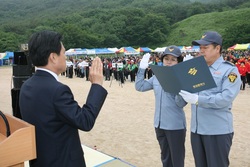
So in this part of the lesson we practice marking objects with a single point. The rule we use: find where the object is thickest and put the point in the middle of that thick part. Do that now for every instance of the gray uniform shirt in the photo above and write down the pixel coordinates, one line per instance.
(213, 114)
(169, 114)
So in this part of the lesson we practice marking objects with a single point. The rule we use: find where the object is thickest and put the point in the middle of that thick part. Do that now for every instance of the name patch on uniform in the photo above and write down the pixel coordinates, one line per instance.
(232, 77)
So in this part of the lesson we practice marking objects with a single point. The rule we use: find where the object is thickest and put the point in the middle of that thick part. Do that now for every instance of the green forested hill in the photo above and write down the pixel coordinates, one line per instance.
(30, 9)
(229, 24)
(117, 23)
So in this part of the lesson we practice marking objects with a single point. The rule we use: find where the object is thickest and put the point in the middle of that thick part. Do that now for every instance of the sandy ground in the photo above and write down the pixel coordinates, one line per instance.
(124, 128)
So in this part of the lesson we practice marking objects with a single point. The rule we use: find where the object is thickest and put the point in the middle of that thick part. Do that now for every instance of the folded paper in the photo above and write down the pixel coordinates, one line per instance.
(192, 75)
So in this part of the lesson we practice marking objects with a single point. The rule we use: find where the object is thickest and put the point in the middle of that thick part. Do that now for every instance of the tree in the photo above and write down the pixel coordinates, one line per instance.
(238, 33)
(8, 42)
(75, 37)
(151, 30)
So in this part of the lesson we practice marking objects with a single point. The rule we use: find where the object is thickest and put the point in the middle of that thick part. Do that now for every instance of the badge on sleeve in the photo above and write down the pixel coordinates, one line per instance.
(232, 77)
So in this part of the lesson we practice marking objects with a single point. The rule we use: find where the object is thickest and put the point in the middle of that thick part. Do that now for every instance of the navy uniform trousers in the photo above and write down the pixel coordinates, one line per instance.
(172, 144)
(211, 150)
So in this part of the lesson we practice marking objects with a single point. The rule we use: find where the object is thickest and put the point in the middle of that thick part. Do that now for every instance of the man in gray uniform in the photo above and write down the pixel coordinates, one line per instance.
(212, 120)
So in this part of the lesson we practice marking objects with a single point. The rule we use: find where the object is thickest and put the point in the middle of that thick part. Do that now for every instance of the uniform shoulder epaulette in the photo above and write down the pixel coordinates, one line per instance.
(228, 62)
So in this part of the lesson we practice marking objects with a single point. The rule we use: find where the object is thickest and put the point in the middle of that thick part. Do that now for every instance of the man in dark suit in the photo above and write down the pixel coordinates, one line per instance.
(50, 106)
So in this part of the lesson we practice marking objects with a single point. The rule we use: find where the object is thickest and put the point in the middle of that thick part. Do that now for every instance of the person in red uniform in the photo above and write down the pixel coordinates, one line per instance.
(243, 71)
(247, 64)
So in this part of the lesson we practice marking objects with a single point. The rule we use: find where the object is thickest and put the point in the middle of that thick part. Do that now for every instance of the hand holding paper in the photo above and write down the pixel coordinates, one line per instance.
(189, 97)
(144, 61)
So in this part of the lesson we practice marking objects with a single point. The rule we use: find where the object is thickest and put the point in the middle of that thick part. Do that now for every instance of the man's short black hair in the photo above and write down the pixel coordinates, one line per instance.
(42, 44)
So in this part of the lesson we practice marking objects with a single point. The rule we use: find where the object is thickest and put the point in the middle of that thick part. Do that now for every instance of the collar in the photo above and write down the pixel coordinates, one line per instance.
(217, 63)
(52, 73)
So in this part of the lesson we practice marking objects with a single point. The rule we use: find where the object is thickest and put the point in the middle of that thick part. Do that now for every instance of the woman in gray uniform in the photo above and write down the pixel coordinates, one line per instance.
(169, 118)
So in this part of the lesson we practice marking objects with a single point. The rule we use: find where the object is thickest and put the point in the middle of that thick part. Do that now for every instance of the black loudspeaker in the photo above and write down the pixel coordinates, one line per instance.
(22, 70)
(15, 92)
(19, 80)
(20, 58)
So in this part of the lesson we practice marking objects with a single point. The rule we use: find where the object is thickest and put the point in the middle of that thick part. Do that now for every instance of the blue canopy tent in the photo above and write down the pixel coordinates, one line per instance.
(94, 51)
(103, 51)
(99, 51)
(192, 48)
(144, 49)
(196, 48)
(90, 52)
(9, 55)
(127, 51)
(76, 51)
(7, 58)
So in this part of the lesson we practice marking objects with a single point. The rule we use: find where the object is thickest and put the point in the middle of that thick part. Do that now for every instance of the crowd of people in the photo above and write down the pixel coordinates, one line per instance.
(242, 61)
(124, 68)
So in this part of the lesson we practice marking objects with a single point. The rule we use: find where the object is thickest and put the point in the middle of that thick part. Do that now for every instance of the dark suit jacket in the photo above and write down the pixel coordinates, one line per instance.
(50, 106)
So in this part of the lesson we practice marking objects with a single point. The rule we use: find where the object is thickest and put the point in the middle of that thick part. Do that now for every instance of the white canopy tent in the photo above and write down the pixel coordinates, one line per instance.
(76, 51)
(160, 49)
